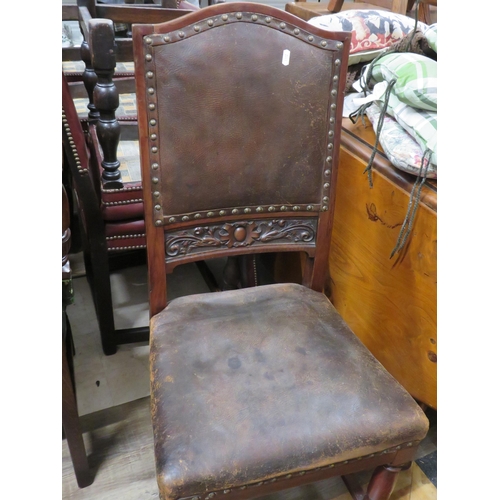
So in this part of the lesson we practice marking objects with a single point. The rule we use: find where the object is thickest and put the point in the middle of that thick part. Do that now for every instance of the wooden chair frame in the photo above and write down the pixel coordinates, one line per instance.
(173, 230)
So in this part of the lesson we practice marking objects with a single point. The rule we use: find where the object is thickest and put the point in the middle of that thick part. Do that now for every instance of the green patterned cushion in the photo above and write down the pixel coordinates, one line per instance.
(415, 75)
(419, 123)
(431, 36)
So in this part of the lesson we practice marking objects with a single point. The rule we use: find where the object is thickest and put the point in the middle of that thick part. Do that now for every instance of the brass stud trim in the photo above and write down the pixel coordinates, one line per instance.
(166, 39)
(157, 208)
(323, 43)
(152, 122)
(225, 17)
(254, 17)
(197, 216)
(197, 28)
(151, 91)
(210, 214)
(327, 173)
(152, 106)
(210, 22)
(268, 19)
(181, 34)
(153, 137)
(271, 209)
(330, 146)
(260, 209)
(155, 166)
(222, 212)
(154, 149)
(238, 15)
(149, 57)
(282, 26)
(154, 180)
(158, 223)
(247, 210)
(235, 211)
(340, 45)
(337, 62)
(149, 74)
(309, 207)
(335, 78)
(148, 40)
(185, 218)
(296, 31)
(310, 38)
(156, 194)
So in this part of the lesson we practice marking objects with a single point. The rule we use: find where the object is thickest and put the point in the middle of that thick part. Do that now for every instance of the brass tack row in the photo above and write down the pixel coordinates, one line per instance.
(211, 495)
(123, 202)
(197, 28)
(81, 170)
(124, 237)
(133, 247)
(234, 211)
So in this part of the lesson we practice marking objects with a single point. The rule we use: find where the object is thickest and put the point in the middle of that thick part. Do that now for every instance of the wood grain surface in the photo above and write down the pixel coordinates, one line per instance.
(391, 304)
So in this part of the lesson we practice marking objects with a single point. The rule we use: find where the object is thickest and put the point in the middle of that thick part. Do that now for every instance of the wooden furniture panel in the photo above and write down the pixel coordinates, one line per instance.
(389, 303)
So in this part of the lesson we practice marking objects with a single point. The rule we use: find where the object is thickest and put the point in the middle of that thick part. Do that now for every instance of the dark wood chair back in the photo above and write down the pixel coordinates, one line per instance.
(239, 144)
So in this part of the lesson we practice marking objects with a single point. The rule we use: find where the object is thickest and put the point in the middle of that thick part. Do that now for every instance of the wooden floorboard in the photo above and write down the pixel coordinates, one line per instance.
(119, 443)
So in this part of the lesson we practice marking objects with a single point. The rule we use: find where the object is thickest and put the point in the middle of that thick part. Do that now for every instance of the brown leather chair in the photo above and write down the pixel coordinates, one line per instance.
(263, 388)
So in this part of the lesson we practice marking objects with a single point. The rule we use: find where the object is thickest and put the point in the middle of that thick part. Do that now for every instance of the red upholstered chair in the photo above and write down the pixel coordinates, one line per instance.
(109, 199)
(263, 388)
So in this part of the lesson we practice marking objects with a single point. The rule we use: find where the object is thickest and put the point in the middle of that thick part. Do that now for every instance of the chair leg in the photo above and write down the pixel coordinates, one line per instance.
(71, 425)
(382, 482)
(98, 275)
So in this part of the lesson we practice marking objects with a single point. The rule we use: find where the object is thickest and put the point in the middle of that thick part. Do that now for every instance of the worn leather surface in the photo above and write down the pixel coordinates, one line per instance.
(254, 383)
(272, 120)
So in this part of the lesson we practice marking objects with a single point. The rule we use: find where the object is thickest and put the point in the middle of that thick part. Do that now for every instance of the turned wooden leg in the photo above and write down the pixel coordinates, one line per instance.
(383, 481)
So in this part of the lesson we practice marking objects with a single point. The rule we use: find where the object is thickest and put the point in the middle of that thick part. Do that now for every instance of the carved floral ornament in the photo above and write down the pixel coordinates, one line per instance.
(239, 234)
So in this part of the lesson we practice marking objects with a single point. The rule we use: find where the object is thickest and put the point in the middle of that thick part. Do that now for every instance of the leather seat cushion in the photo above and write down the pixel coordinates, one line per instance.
(254, 383)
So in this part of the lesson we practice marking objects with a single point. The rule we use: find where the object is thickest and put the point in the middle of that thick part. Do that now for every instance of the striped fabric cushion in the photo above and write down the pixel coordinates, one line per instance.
(415, 75)
(419, 123)
(431, 36)
(399, 146)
